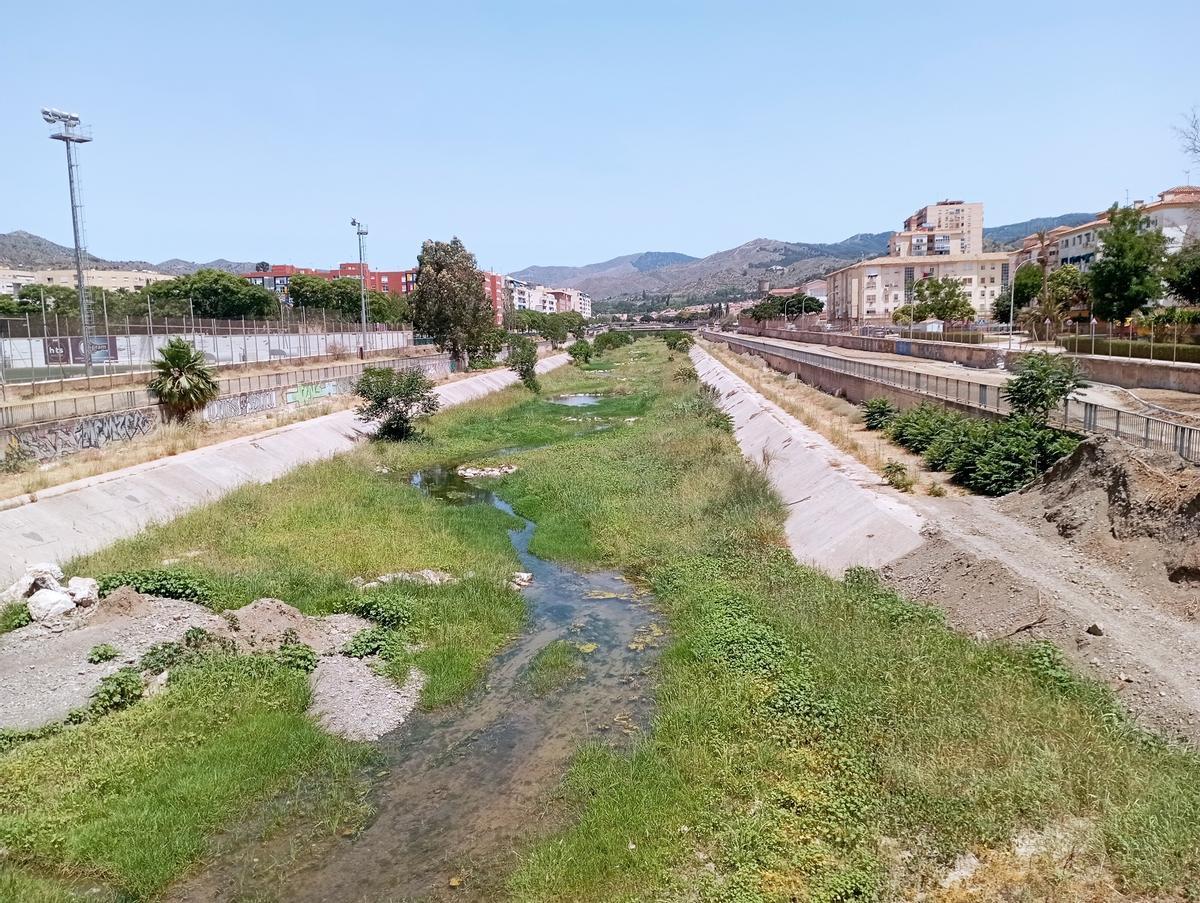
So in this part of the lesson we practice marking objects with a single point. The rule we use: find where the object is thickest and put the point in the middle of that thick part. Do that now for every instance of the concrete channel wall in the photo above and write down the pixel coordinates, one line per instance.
(1131, 373)
(88, 514)
(49, 430)
(979, 356)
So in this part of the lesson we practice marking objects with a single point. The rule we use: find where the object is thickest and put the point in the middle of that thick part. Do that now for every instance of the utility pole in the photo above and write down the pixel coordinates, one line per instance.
(360, 230)
(70, 133)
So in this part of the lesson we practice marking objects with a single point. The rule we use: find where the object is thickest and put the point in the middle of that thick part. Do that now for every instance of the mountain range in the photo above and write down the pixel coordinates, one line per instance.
(26, 250)
(740, 268)
(652, 272)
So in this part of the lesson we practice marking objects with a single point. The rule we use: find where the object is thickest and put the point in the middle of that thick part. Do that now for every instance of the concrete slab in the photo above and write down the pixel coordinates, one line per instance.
(840, 513)
(89, 514)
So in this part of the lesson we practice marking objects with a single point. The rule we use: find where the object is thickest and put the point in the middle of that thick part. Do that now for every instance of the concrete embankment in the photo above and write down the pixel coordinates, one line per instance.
(840, 513)
(89, 514)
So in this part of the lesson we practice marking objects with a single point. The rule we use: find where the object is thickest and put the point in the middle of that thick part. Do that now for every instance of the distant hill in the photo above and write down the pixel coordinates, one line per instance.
(740, 268)
(26, 250)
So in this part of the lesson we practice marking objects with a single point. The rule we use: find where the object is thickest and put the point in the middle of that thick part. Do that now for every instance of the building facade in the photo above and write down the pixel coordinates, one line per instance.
(872, 290)
(946, 229)
(109, 280)
(12, 280)
(545, 300)
(277, 276)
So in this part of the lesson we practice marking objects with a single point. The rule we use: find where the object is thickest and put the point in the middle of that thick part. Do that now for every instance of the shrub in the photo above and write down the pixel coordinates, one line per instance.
(611, 339)
(1163, 351)
(581, 351)
(116, 691)
(161, 656)
(917, 427)
(677, 340)
(1043, 381)
(686, 374)
(105, 652)
(522, 360)
(169, 583)
(366, 642)
(13, 616)
(299, 656)
(396, 398)
(184, 382)
(17, 458)
(704, 406)
(897, 475)
(878, 413)
(385, 609)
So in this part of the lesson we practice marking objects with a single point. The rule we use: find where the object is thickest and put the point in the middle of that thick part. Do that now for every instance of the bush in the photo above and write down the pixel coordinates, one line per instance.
(917, 427)
(384, 608)
(17, 458)
(169, 583)
(162, 656)
(704, 406)
(299, 656)
(581, 351)
(396, 398)
(677, 340)
(609, 340)
(116, 691)
(898, 476)
(686, 374)
(366, 642)
(1043, 381)
(105, 652)
(1163, 351)
(13, 616)
(878, 413)
(522, 360)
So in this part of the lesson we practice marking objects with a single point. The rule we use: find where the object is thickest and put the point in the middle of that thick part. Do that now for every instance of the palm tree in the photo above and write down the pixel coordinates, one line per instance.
(184, 381)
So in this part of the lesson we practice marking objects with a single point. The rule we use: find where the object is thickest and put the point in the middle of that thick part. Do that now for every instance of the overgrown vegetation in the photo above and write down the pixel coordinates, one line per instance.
(104, 652)
(398, 399)
(555, 665)
(580, 351)
(611, 339)
(522, 360)
(169, 583)
(14, 615)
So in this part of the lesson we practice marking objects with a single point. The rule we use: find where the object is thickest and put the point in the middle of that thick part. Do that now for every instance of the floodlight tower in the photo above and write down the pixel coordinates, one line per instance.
(361, 231)
(65, 127)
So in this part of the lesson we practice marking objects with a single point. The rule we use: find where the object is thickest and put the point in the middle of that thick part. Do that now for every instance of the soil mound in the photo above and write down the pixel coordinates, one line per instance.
(267, 623)
(1132, 506)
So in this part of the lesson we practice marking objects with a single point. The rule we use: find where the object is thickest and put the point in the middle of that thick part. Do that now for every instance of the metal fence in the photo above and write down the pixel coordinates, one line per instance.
(26, 414)
(1082, 416)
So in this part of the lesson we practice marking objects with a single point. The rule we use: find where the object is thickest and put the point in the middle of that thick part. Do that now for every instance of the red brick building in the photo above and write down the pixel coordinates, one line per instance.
(394, 282)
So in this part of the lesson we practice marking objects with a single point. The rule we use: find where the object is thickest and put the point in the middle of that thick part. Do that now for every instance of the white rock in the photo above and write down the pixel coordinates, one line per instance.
(84, 591)
(49, 603)
(37, 576)
(156, 684)
(520, 580)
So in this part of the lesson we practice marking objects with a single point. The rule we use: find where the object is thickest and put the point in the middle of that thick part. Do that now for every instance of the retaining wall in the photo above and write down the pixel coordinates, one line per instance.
(1140, 374)
(947, 352)
(57, 437)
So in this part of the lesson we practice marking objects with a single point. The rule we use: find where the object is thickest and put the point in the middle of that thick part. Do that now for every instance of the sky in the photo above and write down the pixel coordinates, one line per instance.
(565, 133)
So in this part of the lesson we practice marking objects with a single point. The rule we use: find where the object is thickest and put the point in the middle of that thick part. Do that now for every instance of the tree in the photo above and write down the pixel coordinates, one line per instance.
(1128, 273)
(581, 351)
(942, 297)
(1033, 319)
(449, 303)
(396, 398)
(262, 267)
(211, 293)
(801, 303)
(184, 382)
(1183, 273)
(522, 360)
(1042, 382)
(1025, 286)
(1068, 287)
(310, 291)
(554, 328)
(57, 297)
(1189, 134)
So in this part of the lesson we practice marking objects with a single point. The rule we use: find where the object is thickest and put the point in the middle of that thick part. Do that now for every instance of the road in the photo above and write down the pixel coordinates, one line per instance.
(1097, 393)
(89, 514)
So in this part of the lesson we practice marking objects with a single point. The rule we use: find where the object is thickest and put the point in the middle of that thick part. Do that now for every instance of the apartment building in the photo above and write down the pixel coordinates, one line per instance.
(548, 300)
(12, 280)
(276, 277)
(109, 280)
(946, 229)
(496, 291)
(943, 240)
(872, 290)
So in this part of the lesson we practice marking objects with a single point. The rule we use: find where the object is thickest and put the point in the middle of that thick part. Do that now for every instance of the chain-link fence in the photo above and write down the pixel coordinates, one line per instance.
(1081, 416)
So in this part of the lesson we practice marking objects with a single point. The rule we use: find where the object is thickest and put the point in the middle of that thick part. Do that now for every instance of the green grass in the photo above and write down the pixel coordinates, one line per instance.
(806, 724)
(555, 665)
(131, 799)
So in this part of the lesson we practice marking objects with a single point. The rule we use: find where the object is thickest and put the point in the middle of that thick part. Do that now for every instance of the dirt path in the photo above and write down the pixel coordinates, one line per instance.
(998, 574)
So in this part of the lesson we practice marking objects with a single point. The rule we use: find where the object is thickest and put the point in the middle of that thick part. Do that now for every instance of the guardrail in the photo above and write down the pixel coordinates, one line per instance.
(1082, 416)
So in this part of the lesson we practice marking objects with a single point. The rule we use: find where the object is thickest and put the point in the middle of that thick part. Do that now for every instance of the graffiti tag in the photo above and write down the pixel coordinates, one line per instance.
(50, 442)
(240, 405)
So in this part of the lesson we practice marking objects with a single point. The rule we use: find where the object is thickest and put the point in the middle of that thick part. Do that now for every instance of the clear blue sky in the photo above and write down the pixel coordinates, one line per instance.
(559, 133)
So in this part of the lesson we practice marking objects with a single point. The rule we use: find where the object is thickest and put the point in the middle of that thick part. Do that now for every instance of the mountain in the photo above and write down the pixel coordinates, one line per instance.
(740, 268)
(26, 250)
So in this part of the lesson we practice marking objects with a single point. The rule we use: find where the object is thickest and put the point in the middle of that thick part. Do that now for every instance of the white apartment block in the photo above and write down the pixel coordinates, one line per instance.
(11, 281)
(871, 291)
(548, 300)
(109, 280)
(945, 229)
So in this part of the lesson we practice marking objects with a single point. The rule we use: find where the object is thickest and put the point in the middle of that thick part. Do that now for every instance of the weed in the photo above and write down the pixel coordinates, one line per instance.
(105, 652)
(366, 642)
(686, 374)
(897, 475)
(299, 656)
(169, 583)
(116, 691)
(555, 665)
(878, 413)
(13, 616)
(937, 490)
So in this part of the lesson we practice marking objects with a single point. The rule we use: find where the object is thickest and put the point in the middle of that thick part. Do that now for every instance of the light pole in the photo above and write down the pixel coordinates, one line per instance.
(912, 306)
(1012, 298)
(360, 229)
(70, 133)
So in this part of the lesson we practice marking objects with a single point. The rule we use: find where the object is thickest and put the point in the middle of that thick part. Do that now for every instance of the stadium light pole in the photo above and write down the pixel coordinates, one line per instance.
(360, 229)
(70, 133)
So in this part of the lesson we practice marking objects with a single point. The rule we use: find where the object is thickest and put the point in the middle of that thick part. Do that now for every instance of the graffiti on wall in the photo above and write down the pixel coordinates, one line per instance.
(240, 405)
(52, 441)
(310, 392)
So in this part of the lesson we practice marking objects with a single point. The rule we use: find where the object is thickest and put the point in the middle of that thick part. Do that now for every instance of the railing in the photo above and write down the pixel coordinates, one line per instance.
(1083, 416)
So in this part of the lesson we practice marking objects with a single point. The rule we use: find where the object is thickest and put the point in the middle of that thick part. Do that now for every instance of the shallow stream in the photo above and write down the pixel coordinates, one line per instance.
(466, 787)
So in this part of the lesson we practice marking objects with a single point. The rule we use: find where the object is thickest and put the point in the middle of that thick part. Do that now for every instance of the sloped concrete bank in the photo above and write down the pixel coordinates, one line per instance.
(89, 514)
(840, 513)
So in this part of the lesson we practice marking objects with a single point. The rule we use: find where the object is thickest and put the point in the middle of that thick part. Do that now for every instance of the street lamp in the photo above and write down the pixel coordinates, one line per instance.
(1012, 298)
(67, 129)
(360, 229)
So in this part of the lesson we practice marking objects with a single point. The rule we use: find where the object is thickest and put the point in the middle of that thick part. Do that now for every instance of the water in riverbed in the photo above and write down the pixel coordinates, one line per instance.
(467, 786)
